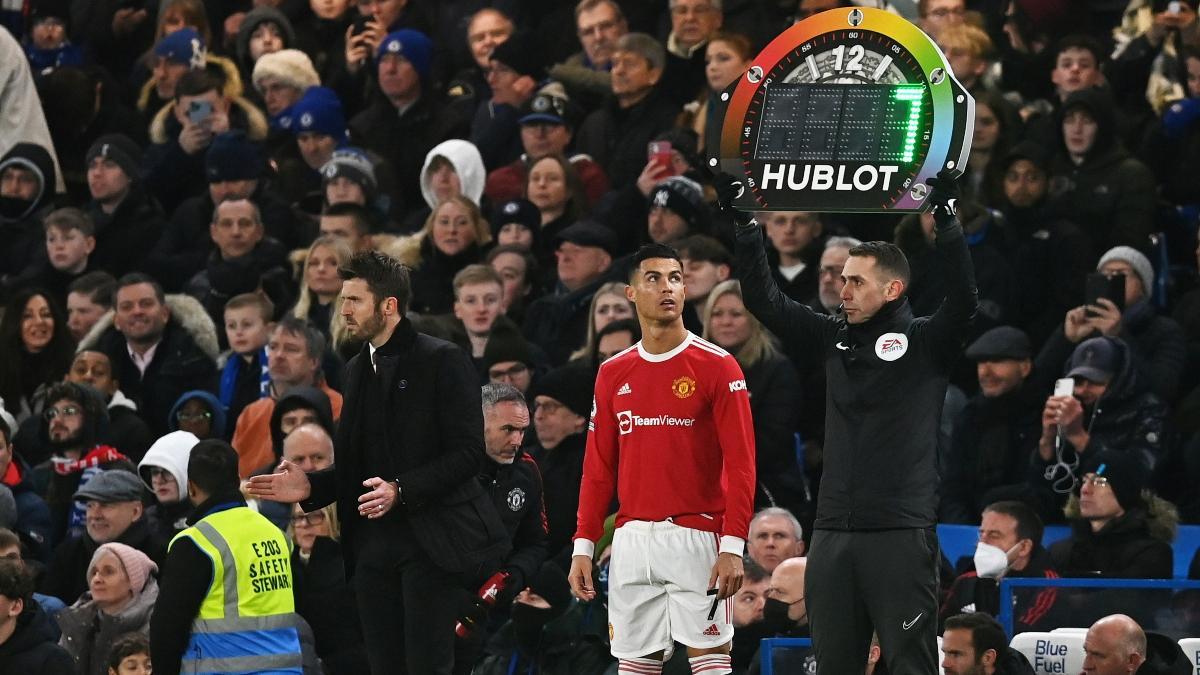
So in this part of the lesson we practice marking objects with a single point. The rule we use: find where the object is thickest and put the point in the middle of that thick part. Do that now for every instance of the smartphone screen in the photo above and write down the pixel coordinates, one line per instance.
(1064, 386)
(659, 152)
(198, 111)
(1100, 286)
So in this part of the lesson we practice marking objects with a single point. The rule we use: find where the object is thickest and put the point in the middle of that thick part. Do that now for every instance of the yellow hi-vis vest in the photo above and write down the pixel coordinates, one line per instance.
(247, 622)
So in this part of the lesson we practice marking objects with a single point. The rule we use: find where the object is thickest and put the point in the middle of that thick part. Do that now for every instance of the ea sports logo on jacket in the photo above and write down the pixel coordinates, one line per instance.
(891, 346)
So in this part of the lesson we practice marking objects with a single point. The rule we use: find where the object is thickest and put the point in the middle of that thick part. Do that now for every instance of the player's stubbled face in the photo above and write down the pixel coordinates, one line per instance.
(657, 289)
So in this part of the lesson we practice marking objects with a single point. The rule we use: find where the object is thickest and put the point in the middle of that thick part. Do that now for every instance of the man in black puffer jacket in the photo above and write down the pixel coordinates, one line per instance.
(887, 372)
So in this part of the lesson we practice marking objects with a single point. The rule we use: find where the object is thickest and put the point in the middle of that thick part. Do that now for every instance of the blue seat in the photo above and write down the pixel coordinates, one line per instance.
(957, 541)
(1053, 533)
(1187, 540)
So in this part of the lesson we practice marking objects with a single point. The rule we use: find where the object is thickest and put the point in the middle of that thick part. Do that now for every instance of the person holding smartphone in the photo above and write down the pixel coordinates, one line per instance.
(1123, 308)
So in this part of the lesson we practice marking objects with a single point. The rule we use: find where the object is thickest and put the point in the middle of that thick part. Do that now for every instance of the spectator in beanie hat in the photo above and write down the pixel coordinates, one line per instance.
(411, 45)
(319, 125)
(281, 78)
(514, 73)
(123, 212)
(232, 157)
(349, 176)
(676, 210)
(175, 54)
(518, 222)
(1120, 528)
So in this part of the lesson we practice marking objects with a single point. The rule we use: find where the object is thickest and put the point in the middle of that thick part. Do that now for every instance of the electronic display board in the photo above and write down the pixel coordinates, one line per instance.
(848, 110)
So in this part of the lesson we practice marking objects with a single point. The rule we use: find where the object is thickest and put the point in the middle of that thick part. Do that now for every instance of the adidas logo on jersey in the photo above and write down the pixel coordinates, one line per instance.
(712, 631)
(624, 390)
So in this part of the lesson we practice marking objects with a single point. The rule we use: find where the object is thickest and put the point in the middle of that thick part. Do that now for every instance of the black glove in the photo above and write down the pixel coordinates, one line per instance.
(728, 189)
(944, 196)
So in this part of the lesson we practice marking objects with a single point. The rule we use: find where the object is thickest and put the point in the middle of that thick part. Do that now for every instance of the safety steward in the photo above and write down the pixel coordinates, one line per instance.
(226, 602)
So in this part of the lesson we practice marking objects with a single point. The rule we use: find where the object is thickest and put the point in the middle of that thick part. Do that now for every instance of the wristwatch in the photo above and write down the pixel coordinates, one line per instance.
(396, 482)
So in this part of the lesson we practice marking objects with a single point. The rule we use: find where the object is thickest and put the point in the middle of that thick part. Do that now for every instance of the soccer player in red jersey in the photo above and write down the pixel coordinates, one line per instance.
(671, 434)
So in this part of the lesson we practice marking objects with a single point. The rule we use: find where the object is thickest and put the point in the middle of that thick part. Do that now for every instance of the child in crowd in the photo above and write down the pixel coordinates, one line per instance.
(70, 240)
(130, 655)
(244, 377)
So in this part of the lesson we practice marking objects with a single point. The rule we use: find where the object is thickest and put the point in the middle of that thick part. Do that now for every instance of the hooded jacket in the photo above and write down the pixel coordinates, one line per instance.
(1136, 545)
(219, 418)
(21, 221)
(88, 633)
(31, 649)
(468, 164)
(1110, 193)
(170, 452)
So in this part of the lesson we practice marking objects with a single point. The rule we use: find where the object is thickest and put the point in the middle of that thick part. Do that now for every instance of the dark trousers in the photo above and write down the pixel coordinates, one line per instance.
(884, 581)
(407, 604)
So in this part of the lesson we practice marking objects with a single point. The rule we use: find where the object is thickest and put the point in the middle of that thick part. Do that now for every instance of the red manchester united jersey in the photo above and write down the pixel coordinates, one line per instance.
(672, 434)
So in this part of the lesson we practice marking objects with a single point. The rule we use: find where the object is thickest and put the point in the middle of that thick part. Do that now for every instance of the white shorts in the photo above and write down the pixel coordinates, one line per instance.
(657, 583)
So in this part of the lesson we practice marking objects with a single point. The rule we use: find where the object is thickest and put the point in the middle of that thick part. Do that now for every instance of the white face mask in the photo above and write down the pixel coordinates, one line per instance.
(991, 562)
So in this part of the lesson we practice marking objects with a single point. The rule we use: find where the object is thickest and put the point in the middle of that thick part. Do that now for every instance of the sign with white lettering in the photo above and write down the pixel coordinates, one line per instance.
(852, 109)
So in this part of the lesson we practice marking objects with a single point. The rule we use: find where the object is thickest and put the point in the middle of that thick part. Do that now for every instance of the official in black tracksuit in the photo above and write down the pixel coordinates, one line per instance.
(874, 553)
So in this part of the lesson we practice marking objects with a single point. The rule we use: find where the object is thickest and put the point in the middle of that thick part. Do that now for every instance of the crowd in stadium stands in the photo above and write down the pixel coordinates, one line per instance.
(181, 180)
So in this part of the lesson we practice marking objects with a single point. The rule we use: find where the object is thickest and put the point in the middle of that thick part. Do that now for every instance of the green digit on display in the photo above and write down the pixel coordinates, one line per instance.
(913, 95)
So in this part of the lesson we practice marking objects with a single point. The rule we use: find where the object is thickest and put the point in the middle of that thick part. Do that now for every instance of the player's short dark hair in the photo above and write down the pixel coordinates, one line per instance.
(385, 276)
(99, 286)
(888, 257)
(360, 216)
(753, 572)
(135, 278)
(986, 632)
(1080, 41)
(1029, 525)
(652, 251)
(703, 248)
(15, 580)
(129, 644)
(213, 467)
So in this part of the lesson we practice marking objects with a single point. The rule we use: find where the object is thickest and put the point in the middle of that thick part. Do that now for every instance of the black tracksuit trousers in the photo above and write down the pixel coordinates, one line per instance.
(881, 580)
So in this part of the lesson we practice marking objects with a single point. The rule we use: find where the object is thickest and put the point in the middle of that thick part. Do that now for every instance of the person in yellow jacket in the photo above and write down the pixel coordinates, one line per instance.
(226, 603)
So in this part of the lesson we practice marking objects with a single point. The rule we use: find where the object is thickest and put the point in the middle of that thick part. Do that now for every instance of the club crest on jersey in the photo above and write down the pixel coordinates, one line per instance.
(683, 387)
(891, 346)
(516, 499)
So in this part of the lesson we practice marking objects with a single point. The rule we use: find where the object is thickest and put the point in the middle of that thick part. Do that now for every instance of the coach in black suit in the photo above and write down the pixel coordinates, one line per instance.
(415, 522)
